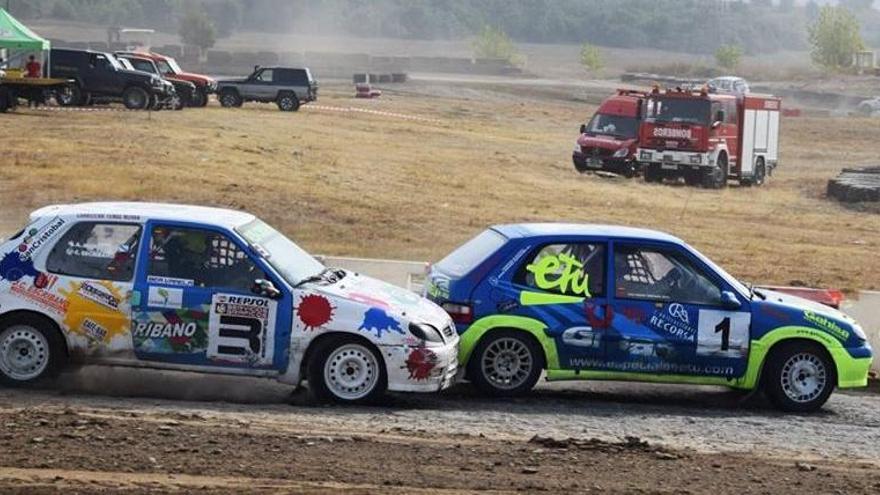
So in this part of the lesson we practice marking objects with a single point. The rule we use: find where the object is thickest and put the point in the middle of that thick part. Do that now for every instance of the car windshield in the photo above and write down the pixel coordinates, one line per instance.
(112, 61)
(290, 260)
(613, 125)
(125, 64)
(678, 110)
(168, 66)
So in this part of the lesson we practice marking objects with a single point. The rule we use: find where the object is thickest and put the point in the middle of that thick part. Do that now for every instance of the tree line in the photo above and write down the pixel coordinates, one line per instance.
(695, 26)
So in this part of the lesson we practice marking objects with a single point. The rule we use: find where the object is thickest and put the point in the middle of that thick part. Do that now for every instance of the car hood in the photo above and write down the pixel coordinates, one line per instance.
(800, 303)
(604, 142)
(358, 295)
(804, 312)
(193, 78)
(137, 73)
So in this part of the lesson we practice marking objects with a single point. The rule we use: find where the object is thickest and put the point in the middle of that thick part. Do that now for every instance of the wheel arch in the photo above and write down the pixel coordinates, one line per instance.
(317, 341)
(535, 329)
(50, 323)
(763, 348)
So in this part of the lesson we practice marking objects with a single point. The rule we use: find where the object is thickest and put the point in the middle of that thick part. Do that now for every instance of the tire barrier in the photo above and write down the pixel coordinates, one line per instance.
(856, 185)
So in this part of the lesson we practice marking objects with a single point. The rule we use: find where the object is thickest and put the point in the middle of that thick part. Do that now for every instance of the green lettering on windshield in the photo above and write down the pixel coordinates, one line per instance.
(562, 273)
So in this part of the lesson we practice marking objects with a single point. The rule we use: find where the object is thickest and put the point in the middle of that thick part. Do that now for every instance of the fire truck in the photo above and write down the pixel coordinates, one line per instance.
(709, 138)
(610, 139)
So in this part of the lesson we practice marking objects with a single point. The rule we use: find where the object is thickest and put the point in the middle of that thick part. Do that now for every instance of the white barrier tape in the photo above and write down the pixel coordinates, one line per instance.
(85, 109)
(372, 112)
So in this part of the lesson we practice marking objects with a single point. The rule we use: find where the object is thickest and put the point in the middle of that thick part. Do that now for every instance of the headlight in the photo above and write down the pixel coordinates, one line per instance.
(621, 153)
(423, 331)
(156, 82)
(577, 148)
(696, 159)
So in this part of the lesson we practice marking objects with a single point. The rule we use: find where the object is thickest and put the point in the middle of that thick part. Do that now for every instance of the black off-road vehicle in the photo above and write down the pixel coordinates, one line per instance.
(288, 87)
(99, 76)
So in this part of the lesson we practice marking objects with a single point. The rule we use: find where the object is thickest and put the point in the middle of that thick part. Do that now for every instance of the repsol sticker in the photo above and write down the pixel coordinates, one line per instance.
(241, 329)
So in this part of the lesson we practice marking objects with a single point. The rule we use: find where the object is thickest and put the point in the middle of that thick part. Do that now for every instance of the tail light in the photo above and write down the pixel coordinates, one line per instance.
(460, 313)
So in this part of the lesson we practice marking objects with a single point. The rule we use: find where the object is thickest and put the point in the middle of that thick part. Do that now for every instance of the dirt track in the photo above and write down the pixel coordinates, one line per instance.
(622, 438)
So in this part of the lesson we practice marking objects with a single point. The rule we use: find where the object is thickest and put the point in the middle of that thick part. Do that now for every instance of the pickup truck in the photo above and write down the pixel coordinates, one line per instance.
(287, 87)
(100, 76)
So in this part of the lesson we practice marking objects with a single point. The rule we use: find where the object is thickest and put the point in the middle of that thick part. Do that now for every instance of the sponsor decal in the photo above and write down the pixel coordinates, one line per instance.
(108, 216)
(172, 332)
(674, 323)
(241, 329)
(827, 324)
(99, 295)
(93, 330)
(40, 297)
(314, 311)
(507, 305)
(377, 320)
(581, 337)
(668, 132)
(165, 297)
(723, 333)
(651, 367)
(420, 362)
(101, 302)
(37, 237)
(513, 261)
(561, 273)
(180, 282)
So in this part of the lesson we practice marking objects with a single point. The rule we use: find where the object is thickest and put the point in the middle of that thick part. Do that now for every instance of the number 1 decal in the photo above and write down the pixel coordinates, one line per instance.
(723, 333)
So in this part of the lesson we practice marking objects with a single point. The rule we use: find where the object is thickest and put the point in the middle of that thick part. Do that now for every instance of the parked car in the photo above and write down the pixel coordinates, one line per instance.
(99, 76)
(868, 107)
(184, 91)
(618, 303)
(207, 290)
(729, 85)
(609, 140)
(170, 70)
(288, 87)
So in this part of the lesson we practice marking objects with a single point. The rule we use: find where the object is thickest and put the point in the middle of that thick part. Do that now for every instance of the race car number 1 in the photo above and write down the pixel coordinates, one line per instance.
(723, 333)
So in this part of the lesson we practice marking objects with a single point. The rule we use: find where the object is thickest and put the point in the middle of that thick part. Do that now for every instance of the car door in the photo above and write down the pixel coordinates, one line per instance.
(89, 279)
(562, 284)
(197, 304)
(104, 79)
(675, 316)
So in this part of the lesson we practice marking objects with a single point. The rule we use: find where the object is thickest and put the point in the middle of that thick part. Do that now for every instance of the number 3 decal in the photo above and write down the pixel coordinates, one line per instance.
(723, 333)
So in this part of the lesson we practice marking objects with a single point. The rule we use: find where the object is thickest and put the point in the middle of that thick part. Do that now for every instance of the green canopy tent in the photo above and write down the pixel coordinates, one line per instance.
(16, 36)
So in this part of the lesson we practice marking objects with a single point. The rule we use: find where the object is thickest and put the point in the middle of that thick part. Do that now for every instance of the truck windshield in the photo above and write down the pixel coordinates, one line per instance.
(688, 111)
(168, 66)
(290, 260)
(613, 125)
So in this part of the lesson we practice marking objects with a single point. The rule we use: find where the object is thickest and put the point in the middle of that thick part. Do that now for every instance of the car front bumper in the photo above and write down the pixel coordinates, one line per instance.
(584, 163)
(852, 365)
(421, 369)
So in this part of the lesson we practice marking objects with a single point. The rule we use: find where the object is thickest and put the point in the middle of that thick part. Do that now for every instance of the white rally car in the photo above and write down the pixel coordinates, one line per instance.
(203, 289)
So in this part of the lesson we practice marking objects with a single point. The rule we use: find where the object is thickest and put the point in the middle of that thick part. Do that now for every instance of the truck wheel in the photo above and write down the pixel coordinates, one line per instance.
(230, 98)
(30, 351)
(506, 363)
(4, 100)
(70, 96)
(653, 173)
(135, 98)
(716, 177)
(199, 98)
(288, 102)
(346, 370)
(799, 377)
(176, 102)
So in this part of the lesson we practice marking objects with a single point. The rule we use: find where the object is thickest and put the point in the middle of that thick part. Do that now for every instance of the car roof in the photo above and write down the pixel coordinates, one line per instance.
(139, 212)
(522, 230)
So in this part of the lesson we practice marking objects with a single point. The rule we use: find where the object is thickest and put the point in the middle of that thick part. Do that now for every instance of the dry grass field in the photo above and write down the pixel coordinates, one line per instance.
(379, 186)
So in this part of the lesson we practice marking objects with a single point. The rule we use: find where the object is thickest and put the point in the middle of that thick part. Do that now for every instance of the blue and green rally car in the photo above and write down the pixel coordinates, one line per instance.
(619, 303)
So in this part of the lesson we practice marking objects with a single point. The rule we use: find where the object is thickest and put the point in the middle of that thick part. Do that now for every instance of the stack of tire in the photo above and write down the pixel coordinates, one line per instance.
(856, 185)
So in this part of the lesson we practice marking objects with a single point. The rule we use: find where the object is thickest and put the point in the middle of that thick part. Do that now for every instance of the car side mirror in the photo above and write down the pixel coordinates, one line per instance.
(583, 128)
(730, 301)
(265, 288)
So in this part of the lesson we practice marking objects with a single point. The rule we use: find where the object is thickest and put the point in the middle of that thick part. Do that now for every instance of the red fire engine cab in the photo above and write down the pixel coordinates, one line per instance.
(709, 138)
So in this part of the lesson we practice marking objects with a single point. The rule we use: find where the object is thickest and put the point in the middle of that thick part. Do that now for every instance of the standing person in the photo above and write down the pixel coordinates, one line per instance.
(33, 68)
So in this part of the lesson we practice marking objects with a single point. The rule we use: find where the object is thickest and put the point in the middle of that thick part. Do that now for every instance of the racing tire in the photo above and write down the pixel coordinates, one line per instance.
(346, 370)
(799, 377)
(653, 173)
(716, 177)
(230, 99)
(288, 102)
(628, 169)
(31, 350)
(506, 363)
(135, 98)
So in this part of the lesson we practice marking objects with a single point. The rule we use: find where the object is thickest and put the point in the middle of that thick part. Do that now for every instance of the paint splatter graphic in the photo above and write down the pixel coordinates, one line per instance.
(366, 299)
(597, 322)
(377, 320)
(13, 267)
(314, 311)
(420, 363)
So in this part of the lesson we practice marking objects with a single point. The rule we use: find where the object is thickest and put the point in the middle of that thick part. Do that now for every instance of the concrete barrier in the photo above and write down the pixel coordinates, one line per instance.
(866, 310)
(407, 274)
